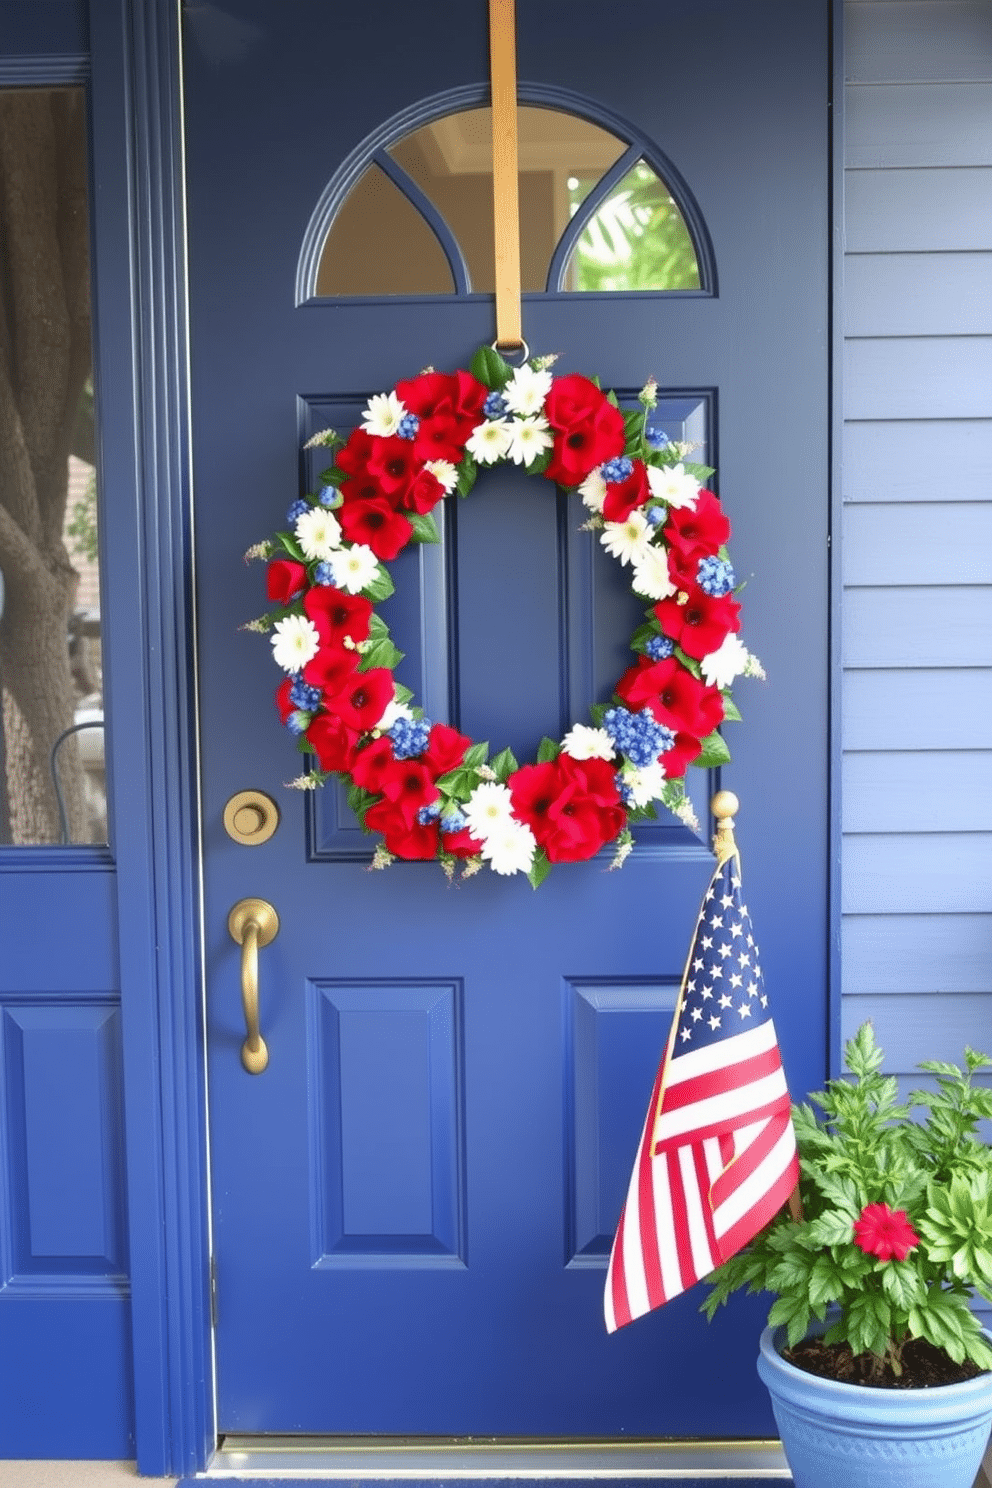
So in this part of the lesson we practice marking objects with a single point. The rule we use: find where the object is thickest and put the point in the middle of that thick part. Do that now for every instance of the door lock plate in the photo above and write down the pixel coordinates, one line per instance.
(251, 817)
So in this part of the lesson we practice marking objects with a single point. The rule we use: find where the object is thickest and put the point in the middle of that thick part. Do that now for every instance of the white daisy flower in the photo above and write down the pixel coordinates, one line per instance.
(526, 390)
(721, 667)
(582, 742)
(629, 541)
(510, 847)
(444, 473)
(392, 713)
(318, 533)
(593, 491)
(646, 783)
(383, 415)
(294, 642)
(673, 484)
(529, 437)
(651, 573)
(354, 567)
(487, 808)
(490, 441)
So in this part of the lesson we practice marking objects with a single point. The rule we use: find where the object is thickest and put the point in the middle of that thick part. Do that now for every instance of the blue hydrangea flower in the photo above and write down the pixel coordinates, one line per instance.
(626, 791)
(296, 511)
(656, 515)
(617, 469)
(637, 735)
(408, 426)
(494, 406)
(302, 695)
(715, 576)
(428, 814)
(323, 574)
(656, 438)
(298, 722)
(409, 736)
(659, 648)
(454, 819)
(329, 496)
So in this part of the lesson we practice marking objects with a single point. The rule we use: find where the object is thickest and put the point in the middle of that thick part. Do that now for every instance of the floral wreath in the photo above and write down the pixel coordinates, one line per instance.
(426, 788)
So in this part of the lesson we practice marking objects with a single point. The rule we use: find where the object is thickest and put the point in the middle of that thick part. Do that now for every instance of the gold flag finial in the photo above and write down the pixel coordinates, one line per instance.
(724, 807)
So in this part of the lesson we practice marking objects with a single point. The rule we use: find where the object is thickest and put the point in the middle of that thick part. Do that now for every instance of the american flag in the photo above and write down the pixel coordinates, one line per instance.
(717, 1157)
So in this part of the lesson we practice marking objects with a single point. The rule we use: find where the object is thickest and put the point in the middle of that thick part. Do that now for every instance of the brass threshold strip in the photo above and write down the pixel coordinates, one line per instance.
(275, 1457)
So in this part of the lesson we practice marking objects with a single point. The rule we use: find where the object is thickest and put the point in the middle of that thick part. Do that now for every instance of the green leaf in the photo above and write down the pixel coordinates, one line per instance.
(633, 431)
(731, 712)
(547, 750)
(424, 527)
(475, 755)
(714, 752)
(467, 472)
(489, 367)
(380, 587)
(612, 398)
(689, 662)
(504, 765)
(539, 869)
(381, 653)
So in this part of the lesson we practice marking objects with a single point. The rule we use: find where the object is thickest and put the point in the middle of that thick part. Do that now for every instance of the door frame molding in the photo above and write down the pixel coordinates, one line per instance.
(141, 352)
(150, 668)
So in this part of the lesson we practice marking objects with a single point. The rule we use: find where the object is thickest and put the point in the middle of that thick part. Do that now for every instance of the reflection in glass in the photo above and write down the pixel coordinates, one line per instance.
(637, 239)
(450, 160)
(52, 783)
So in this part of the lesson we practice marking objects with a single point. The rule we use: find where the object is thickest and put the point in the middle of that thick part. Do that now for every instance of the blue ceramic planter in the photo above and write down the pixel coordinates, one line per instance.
(835, 1434)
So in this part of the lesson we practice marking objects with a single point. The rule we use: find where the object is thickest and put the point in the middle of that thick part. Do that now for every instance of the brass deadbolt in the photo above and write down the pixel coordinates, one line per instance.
(251, 817)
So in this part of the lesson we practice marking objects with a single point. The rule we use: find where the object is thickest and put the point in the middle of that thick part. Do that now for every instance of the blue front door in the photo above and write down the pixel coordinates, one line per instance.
(413, 1204)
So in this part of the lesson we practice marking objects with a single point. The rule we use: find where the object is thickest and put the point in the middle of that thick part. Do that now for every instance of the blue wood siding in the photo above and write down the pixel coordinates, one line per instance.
(917, 527)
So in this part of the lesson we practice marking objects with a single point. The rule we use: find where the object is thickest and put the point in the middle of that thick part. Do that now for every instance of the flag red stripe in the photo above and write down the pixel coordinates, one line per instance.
(718, 1128)
(703, 1183)
(649, 1234)
(621, 1308)
(718, 1081)
(749, 1162)
(687, 1271)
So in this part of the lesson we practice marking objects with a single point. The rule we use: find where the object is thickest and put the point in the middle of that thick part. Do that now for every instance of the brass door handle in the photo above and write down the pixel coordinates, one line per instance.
(252, 923)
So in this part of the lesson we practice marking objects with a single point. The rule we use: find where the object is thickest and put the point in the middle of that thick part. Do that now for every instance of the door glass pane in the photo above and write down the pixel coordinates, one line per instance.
(379, 244)
(561, 157)
(52, 779)
(637, 239)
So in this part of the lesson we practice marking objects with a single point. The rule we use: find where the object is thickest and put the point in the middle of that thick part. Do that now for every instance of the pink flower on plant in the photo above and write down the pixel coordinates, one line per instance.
(885, 1232)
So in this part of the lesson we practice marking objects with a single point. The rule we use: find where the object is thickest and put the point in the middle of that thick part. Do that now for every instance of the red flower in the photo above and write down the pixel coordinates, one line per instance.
(461, 844)
(354, 456)
(360, 699)
(330, 669)
(283, 703)
(426, 491)
(284, 580)
(362, 487)
(588, 429)
(448, 406)
(446, 749)
(623, 497)
(408, 784)
(333, 742)
(337, 614)
(572, 806)
(394, 465)
(696, 531)
(675, 696)
(376, 524)
(371, 762)
(885, 1232)
(702, 624)
(404, 838)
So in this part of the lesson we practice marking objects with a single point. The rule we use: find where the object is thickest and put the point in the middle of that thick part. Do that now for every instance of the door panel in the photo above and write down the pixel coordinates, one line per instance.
(414, 1203)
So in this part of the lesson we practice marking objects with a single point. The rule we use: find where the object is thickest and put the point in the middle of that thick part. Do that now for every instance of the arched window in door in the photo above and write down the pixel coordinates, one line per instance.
(410, 212)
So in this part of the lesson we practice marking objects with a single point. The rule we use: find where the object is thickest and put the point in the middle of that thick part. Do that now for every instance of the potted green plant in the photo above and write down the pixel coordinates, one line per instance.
(876, 1364)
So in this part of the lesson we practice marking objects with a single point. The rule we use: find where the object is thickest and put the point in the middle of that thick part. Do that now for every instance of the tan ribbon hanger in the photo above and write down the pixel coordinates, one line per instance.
(506, 204)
